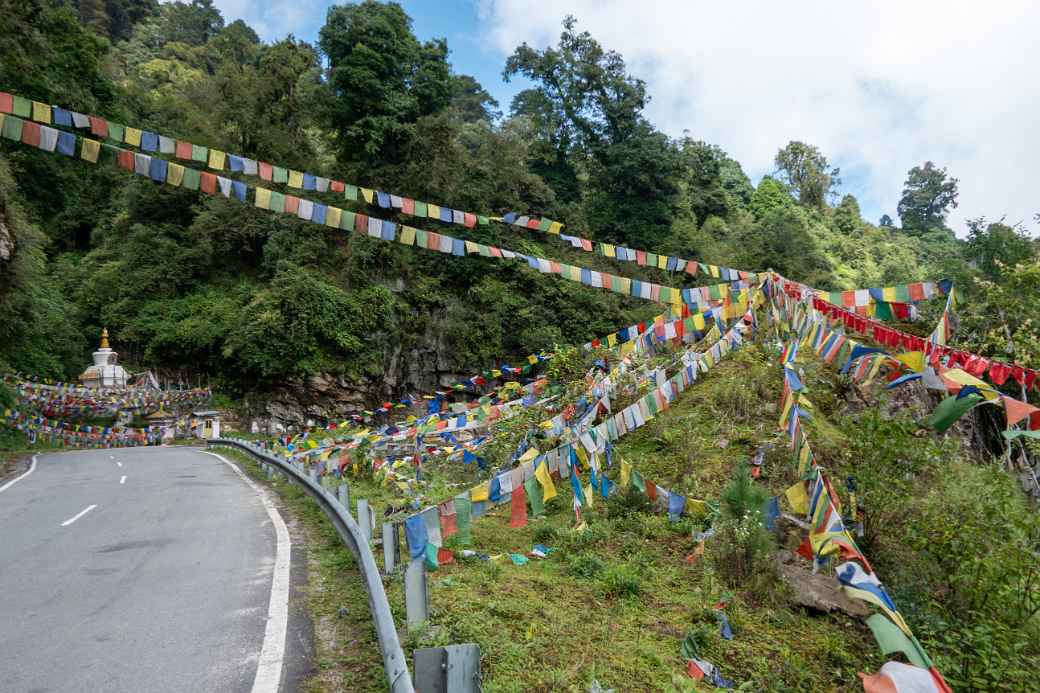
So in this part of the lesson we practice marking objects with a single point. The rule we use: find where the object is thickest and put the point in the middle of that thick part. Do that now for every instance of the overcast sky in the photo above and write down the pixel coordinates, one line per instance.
(879, 86)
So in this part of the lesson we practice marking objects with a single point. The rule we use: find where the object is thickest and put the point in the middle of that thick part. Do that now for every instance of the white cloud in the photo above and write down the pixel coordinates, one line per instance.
(272, 20)
(879, 86)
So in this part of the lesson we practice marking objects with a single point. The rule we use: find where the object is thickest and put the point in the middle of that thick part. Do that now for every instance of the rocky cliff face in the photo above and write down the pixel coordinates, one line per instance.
(419, 366)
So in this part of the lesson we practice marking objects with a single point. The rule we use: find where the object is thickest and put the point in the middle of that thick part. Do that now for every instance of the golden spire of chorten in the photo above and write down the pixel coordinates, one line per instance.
(104, 338)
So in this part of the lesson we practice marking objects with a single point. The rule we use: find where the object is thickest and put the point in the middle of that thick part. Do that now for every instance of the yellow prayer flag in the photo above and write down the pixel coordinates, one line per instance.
(888, 294)
(612, 339)
(914, 360)
(333, 216)
(713, 270)
(41, 112)
(432, 211)
(543, 477)
(555, 227)
(479, 493)
(132, 136)
(528, 455)
(590, 494)
(626, 474)
(472, 247)
(607, 249)
(263, 198)
(582, 456)
(698, 322)
(662, 262)
(365, 193)
(295, 179)
(696, 508)
(788, 401)
(90, 150)
(216, 159)
(626, 285)
(798, 500)
(407, 235)
(628, 347)
(174, 174)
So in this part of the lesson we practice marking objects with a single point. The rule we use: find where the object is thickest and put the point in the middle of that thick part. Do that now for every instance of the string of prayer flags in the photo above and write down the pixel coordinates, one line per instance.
(643, 258)
(218, 160)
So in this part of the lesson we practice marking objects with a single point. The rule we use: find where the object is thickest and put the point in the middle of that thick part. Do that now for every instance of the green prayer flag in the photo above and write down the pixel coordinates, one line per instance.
(903, 294)
(116, 131)
(21, 107)
(280, 174)
(1011, 435)
(463, 508)
(421, 239)
(891, 639)
(13, 128)
(350, 192)
(431, 557)
(651, 259)
(346, 220)
(277, 202)
(191, 179)
(533, 490)
(483, 221)
(199, 153)
(883, 311)
(420, 209)
(951, 409)
(637, 481)
(544, 224)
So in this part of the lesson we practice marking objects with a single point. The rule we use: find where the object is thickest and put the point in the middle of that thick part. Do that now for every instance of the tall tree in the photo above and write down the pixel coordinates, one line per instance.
(928, 194)
(806, 170)
(382, 80)
(885, 222)
(192, 22)
(594, 107)
(996, 248)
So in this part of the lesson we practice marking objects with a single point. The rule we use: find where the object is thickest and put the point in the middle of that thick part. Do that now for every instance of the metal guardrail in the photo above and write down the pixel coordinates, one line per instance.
(397, 674)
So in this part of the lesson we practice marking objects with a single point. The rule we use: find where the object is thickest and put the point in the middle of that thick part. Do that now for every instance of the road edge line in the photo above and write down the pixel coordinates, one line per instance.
(272, 653)
(12, 482)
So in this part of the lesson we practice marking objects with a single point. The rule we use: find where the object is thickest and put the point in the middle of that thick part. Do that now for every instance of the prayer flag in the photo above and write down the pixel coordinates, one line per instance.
(518, 508)
(216, 159)
(541, 473)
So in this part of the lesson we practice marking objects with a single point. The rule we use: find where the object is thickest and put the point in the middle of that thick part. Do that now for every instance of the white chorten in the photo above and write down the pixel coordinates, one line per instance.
(106, 371)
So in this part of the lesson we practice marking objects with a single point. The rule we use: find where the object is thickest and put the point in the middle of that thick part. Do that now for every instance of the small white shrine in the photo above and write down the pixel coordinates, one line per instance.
(106, 371)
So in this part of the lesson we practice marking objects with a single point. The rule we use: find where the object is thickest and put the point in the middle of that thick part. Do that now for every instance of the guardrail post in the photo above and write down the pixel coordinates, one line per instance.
(416, 596)
(343, 493)
(364, 519)
(391, 546)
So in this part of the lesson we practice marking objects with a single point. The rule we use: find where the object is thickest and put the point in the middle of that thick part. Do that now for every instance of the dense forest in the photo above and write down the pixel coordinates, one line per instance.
(203, 289)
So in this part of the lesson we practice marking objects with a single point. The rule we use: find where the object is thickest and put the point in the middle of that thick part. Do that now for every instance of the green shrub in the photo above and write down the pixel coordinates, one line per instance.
(544, 535)
(621, 581)
(740, 550)
(624, 504)
(585, 565)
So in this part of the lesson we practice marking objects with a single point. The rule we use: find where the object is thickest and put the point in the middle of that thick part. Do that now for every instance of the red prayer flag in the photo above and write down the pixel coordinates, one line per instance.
(292, 204)
(125, 159)
(361, 223)
(98, 126)
(640, 257)
(408, 205)
(916, 291)
(183, 150)
(651, 491)
(445, 556)
(208, 183)
(6, 102)
(533, 224)
(336, 186)
(31, 133)
(266, 170)
(469, 219)
(518, 508)
(448, 526)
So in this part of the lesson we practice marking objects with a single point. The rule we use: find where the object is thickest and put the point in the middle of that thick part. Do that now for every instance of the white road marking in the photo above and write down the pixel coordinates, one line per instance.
(272, 654)
(119, 464)
(78, 515)
(123, 480)
(12, 482)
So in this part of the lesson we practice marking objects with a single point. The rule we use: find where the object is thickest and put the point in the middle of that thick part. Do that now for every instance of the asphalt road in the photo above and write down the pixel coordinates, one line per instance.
(165, 584)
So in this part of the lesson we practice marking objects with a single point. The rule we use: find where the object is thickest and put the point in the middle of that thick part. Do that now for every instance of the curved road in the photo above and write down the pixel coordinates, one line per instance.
(140, 569)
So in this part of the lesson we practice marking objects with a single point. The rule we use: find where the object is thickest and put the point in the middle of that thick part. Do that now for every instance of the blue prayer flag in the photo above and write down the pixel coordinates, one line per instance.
(415, 532)
(66, 144)
(309, 182)
(157, 169)
(62, 117)
(383, 199)
(239, 189)
(149, 142)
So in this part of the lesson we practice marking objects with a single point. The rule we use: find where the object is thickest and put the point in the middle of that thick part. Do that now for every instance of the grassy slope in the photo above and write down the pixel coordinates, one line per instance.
(614, 602)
